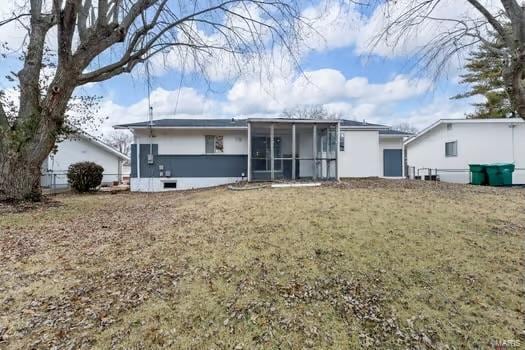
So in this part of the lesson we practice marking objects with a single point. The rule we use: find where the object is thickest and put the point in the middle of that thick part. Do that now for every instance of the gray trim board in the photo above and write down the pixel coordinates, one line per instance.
(189, 165)
(133, 160)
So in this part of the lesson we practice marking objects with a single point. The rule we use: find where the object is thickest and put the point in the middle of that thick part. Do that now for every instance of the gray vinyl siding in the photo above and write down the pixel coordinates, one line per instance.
(185, 165)
(133, 172)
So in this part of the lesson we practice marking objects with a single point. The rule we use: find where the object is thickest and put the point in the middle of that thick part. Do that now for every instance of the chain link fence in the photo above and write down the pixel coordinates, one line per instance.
(53, 182)
(455, 175)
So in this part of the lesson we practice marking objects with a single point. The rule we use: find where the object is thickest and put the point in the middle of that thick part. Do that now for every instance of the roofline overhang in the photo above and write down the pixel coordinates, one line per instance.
(429, 128)
(102, 145)
(293, 121)
(393, 136)
(131, 127)
(365, 127)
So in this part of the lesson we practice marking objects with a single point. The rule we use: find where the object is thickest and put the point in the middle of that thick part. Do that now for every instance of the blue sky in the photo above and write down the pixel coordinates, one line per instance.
(338, 69)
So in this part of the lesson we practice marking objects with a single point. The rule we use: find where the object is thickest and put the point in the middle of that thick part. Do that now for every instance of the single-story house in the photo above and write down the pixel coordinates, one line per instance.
(448, 146)
(81, 147)
(172, 154)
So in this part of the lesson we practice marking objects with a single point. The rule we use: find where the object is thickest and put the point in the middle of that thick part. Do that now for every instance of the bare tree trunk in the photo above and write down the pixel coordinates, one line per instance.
(519, 93)
(22, 153)
(19, 177)
(513, 76)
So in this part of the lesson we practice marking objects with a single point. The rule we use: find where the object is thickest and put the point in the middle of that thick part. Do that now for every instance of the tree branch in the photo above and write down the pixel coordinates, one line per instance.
(66, 29)
(30, 73)
(133, 53)
(498, 27)
(83, 15)
(14, 18)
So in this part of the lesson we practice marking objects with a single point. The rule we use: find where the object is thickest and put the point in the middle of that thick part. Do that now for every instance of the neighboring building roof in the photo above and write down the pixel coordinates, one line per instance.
(355, 123)
(231, 123)
(100, 144)
(464, 121)
(393, 132)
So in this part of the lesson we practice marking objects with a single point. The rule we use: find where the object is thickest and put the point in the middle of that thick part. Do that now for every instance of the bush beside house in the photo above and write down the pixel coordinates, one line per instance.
(85, 176)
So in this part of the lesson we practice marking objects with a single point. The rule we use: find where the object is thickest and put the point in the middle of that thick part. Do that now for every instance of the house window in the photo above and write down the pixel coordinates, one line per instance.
(451, 149)
(214, 144)
(342, 142)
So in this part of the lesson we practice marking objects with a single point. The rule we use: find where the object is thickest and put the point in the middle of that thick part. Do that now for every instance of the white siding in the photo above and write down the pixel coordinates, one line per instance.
(388, 143)
(183, 183)
(75, 150)
(361, 156)
(186, 141)
(476, 143)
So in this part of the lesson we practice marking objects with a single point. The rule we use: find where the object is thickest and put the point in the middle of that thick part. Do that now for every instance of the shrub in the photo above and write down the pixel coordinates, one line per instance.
(85, 176)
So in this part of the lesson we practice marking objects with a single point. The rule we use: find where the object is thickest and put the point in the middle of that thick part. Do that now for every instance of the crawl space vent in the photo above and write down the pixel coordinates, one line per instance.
(172, 184)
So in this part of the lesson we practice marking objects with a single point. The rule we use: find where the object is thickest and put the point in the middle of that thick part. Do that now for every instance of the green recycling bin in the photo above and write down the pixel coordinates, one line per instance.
(478, 175)
(500, 174)
(506, 174)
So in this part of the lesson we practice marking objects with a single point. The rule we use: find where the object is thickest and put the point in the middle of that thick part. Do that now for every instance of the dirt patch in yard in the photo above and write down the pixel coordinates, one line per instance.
(368, 263)
(20, 207)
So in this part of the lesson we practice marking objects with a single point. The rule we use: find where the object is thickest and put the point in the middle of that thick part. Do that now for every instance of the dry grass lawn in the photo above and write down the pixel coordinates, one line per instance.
(365, 263)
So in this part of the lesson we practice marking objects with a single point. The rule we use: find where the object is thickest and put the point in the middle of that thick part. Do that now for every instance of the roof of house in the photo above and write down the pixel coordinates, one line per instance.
(232, 123)
(100, 144)
(463, 121)
(394, 132)
(186, 123)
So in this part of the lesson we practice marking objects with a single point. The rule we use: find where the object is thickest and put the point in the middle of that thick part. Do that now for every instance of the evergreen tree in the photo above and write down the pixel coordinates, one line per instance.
(484, 76)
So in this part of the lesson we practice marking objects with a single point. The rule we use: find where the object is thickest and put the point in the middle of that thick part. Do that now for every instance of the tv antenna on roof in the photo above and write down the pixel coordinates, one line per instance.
(150, 114)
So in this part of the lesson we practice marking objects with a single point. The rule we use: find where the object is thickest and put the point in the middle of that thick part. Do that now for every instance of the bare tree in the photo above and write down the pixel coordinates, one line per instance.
(120, 140)
(309, 112)
(405, 127)
(506, 18)
(97, 40)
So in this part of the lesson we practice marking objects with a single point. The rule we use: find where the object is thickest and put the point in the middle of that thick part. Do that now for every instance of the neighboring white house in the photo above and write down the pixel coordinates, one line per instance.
(190, 153)
(450, 145)
(80, 148)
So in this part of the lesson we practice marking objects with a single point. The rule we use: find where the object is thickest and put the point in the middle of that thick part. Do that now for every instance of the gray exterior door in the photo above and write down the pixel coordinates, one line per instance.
(392, 162)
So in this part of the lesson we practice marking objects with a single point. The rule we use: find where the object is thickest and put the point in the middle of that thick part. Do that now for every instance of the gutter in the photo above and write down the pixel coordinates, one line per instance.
(121, 127)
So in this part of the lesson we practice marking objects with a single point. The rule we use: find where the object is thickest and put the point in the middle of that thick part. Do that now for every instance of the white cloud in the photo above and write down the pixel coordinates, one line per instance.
(324, 86)
(331, 25)
(184, 102)
(354, 98)
(416, 36)
(398, 89)
(440, 107)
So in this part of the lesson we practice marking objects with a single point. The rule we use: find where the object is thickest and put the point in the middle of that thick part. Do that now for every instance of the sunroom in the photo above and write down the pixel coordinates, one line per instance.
(293, 149)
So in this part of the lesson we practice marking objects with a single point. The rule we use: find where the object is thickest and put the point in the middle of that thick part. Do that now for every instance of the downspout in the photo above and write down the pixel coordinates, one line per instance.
(314, 151)
(338, 148)
(293, 152)
(119, 170)
(403, 163)
(249, 151)
(272, 164)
